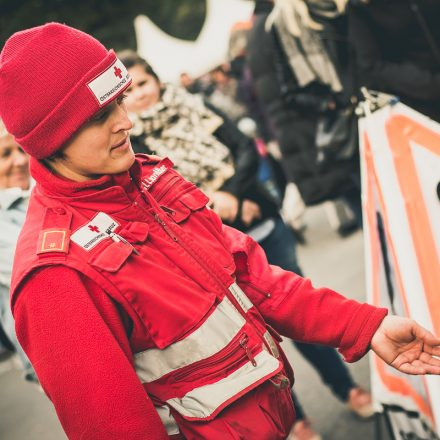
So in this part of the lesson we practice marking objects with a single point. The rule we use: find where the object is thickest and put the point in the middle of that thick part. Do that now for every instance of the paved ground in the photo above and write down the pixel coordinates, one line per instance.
(337, 263)
(26, 414)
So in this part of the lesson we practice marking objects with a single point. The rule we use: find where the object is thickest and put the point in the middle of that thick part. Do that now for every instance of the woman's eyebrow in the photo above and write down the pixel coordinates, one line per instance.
(105, 109)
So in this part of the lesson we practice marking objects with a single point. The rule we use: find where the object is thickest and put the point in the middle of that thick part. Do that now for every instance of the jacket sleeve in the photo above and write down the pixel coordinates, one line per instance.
(381, 74)
(293, 307)
(76, 341)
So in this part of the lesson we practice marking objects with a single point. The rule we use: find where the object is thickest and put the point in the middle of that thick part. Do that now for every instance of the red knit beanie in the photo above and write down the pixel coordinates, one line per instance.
(53, 78)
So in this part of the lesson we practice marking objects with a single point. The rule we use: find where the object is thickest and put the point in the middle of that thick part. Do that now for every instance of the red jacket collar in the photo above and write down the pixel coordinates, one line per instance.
(109, 193)
(60, 186)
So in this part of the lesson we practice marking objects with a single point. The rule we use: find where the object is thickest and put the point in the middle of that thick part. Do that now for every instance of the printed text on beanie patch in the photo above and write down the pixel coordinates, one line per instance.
(106, 84)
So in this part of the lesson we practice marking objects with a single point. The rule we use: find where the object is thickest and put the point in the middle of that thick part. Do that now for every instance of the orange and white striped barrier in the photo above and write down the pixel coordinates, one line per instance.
(400, 163)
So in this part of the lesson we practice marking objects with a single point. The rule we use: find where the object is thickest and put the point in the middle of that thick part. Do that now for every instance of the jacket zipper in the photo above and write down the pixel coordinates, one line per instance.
(166, 227)
(217, 359)
(243, 343)
(211, 274)
(189, 250)
(174, 237)
(263, 292)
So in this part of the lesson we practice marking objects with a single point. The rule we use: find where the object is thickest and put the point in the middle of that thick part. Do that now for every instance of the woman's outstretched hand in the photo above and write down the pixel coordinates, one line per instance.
(407, 346)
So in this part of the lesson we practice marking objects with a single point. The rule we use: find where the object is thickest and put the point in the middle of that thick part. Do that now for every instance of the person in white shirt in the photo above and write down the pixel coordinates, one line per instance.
(14, 195)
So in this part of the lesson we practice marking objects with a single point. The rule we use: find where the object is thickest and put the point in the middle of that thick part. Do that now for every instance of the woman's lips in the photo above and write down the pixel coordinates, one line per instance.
(123, 143)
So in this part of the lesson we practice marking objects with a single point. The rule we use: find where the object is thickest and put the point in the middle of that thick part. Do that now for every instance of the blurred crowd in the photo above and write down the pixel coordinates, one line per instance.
(269, 133)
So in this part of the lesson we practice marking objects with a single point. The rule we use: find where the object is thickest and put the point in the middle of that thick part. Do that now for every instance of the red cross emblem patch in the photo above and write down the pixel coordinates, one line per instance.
(117, 72)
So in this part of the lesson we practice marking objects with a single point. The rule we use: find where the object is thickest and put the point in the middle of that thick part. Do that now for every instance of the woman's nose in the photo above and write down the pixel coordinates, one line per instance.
(123, 122)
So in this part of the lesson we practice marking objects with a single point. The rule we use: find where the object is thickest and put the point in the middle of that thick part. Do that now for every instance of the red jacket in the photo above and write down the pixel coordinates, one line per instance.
(165, 306)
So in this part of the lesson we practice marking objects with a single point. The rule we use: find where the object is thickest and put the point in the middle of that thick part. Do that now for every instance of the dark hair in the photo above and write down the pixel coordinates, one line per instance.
(59, 154)
(48, 161)
(130, 59)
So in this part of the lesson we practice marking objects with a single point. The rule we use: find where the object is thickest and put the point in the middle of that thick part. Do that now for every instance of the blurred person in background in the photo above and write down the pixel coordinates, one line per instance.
(299, 58)
(224, 94)
(207, 149)
(397, 49)
(14, 198)
(192, 85)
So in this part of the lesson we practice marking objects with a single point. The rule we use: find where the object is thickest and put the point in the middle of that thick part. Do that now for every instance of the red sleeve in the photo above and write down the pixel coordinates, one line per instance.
(74, 336)
(291, 305)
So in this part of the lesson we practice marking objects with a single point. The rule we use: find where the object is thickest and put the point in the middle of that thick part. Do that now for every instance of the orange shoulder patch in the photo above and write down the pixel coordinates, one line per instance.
(53, 240)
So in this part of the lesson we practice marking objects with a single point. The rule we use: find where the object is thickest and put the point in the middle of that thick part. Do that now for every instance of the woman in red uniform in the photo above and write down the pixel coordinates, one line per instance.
(143, 315)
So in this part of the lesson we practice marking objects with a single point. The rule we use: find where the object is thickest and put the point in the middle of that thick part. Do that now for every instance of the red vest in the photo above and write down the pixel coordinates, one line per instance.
(198, 341)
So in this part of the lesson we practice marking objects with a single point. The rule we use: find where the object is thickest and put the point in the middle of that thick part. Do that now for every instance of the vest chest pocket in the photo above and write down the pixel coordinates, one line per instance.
(176, 195)
(112, 257)
(116, 253)
(183, 205)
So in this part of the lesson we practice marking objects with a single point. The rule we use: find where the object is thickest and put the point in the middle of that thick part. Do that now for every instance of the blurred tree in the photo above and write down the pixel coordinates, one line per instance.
(110, 21)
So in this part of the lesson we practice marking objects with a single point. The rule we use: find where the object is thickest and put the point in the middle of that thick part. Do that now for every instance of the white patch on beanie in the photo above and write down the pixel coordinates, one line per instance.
(107, 84)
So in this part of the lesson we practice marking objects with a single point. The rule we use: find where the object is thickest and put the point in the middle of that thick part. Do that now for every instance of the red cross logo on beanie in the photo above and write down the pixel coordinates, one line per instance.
(93, 228)
(117, 72)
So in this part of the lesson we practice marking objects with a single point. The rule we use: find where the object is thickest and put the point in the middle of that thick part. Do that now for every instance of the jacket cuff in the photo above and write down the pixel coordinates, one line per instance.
(356, 340)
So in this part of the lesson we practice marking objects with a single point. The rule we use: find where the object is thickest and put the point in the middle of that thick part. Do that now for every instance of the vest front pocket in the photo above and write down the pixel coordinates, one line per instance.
(210, 368)
(112, 257)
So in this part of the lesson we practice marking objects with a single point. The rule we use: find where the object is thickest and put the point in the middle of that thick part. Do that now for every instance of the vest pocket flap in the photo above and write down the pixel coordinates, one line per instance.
(112, 257)
(180, 212)
(135, 232)
(195, 200)
(186, 203)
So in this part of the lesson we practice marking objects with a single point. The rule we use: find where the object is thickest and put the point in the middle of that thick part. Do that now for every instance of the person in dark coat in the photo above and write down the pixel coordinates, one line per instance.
(397, 48)
(293, 110)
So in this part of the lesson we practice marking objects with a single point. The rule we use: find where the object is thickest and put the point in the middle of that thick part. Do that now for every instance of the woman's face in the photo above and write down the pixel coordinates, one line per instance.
(14, 164)
(101, 146)
(143, 92)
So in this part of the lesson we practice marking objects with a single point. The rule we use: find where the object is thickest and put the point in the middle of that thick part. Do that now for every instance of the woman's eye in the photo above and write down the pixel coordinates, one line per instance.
(121, 98)
(100, 117)
(5, 153)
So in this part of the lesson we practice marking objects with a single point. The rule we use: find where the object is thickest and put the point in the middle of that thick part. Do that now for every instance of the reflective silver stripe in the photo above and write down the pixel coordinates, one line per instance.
(168, 420)
(203, 401)
(240, 296)
(271, 344)
(211, 337)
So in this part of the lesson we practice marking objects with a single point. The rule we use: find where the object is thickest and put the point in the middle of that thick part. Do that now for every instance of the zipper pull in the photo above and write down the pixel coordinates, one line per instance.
(243, 342)
(115, 237)
(165, 226)
(168, 210)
